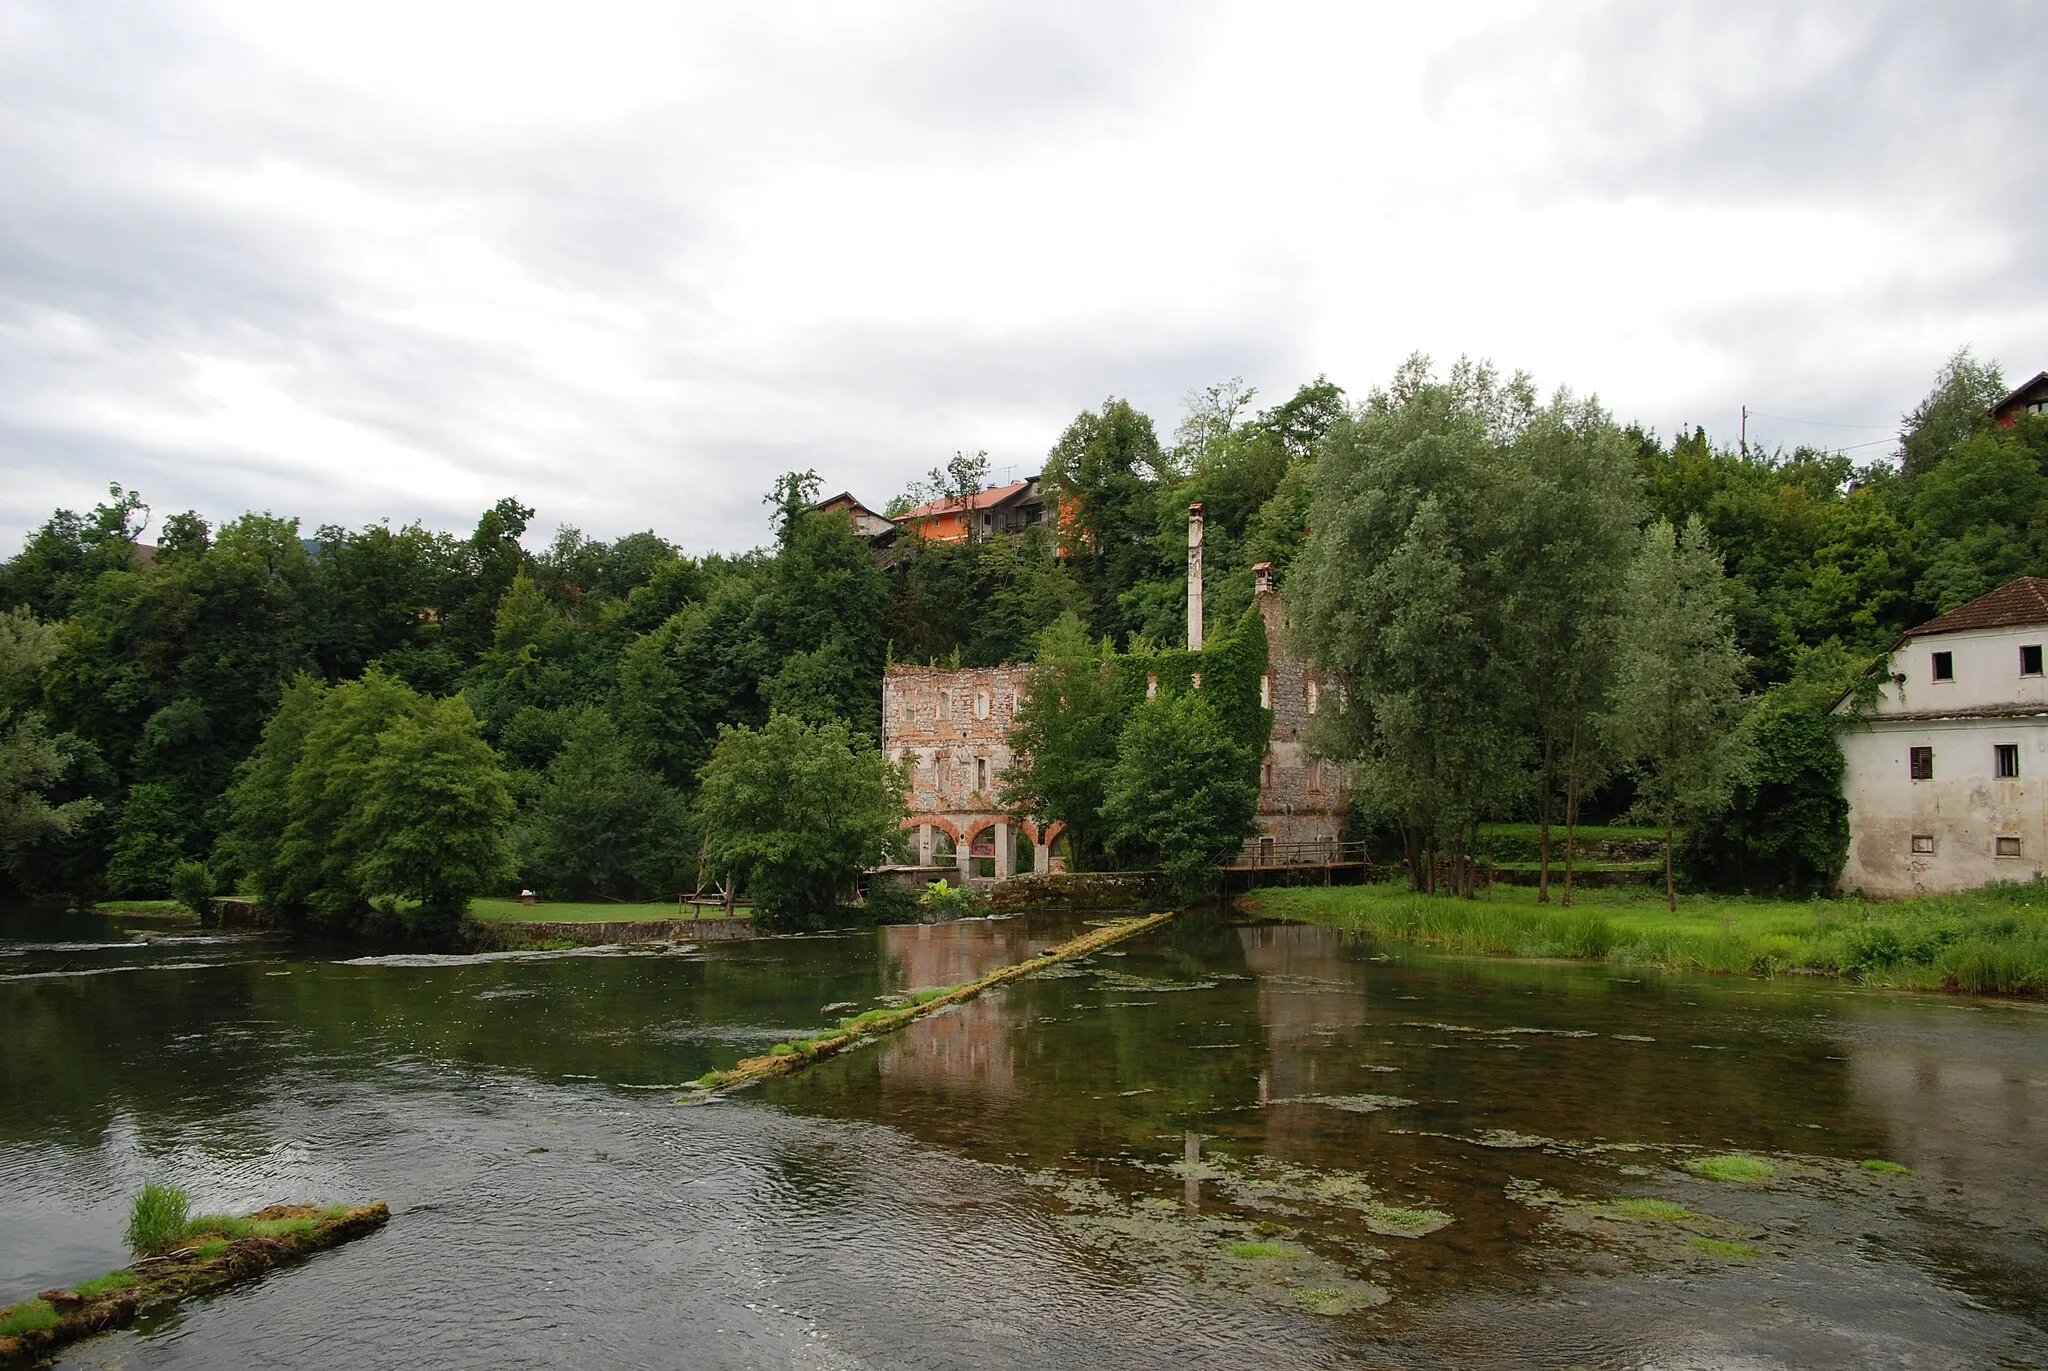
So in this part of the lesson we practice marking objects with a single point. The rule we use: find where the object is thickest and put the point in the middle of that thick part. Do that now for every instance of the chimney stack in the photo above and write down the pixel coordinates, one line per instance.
(1262, 578)
(1195, 577)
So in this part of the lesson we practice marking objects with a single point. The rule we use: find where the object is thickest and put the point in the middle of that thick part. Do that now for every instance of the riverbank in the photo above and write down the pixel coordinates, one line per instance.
(218, 1252)
(1989, 942)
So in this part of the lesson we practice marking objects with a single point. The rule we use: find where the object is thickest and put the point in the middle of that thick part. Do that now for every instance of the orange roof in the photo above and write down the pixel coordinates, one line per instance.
(2024, 601)
(985, 499)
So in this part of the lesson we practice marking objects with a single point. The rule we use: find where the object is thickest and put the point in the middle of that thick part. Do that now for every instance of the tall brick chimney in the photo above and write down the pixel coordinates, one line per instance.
(1195, 577)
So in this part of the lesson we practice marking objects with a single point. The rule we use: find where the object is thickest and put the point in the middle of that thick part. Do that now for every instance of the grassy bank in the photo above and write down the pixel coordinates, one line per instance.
(587, 912)
(1990, 941)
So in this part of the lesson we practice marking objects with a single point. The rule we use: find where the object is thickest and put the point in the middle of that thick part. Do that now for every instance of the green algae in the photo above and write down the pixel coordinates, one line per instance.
(1393, 1221)
(1733, 1168)
(1720, 1247)
(1257, 1251)
(1880, 1166)
(1643, 1207)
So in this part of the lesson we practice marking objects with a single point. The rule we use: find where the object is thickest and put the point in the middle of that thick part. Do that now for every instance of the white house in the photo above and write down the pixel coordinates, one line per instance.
(1947, 776)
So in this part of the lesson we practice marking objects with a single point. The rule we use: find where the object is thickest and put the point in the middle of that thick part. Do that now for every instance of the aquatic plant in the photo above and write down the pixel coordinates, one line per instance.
(1645, 1208)
(1720, 1247)
(1732, 1167)
(1885, 1168)
(1392, 1221)
(942, 901)
(26, 1317)
(156, 1219)
(1332, 1301)
(1257, 1251)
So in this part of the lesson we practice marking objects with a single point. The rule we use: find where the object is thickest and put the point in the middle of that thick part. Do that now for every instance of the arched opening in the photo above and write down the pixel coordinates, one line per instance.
(944, 851)
(1025, 858)
(1062, 852)
(981, 854)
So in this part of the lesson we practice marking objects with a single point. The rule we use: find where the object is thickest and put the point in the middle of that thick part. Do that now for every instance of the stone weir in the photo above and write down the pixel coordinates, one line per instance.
(510, 935)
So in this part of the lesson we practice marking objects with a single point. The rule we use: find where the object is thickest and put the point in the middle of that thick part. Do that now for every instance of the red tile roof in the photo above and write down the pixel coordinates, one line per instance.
(2024, 601)
(986, 499)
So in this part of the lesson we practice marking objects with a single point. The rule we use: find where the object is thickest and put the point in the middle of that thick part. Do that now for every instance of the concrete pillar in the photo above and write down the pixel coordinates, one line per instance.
(963, 857)
(1195, 577)
(1006, 856)
(1043, 853)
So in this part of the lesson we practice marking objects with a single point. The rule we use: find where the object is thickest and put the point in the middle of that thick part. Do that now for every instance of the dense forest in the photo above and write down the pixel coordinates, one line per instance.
(142, 659)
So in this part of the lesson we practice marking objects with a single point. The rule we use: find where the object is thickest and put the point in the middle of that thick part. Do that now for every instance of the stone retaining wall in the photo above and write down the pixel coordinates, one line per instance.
(509, 934)
(1078, 890)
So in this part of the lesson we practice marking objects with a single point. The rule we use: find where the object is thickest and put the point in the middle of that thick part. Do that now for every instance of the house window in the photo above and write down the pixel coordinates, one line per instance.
(1944, 666)
(2030, 660)
(981, 773)
(2008, 758)
(1921, 760)
(1923, 842)
(2006, 847)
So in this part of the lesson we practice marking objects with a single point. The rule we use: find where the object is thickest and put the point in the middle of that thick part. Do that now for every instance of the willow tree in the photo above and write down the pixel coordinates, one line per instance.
(1401, 599)
(1574, 512)
(1679, 705)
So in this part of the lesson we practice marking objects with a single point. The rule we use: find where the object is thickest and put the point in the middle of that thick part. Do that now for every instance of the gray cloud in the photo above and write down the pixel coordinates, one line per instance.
(237, 275)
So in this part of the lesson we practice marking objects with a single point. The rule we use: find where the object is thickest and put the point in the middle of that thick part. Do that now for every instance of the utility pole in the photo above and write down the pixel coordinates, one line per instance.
(1745, 430)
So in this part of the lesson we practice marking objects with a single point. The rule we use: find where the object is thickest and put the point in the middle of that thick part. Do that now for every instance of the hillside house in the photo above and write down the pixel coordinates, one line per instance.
(1947, 775)
(2031, 398)
(1010, 508)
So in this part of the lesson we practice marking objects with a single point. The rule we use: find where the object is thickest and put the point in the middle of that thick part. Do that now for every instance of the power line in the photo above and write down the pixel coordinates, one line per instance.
(1818, 423)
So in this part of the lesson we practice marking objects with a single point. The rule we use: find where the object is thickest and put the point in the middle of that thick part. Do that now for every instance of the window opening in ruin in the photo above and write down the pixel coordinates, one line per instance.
(945, 852)
(981, 704)
(981, 773)
(1921, 760)
(1266, 691)
(2030, 660)
(909, 760)
(1024, 854)
(1151, 686)
(945, 704)
(1944, 666)
(2008, 847)
(981, 854)
(1923, 842)
(1061, 852)
(1315, 696)
(1265, 851)
(2008, 758)
(1268, 782)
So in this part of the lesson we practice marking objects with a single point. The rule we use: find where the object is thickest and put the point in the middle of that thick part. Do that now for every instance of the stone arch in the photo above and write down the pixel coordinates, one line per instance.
(977, 827)
(1028, 827)
(940, 822)
(1053, 830)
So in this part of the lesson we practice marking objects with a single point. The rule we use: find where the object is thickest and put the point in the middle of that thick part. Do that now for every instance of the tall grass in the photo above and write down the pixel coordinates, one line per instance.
(1988, 941)
(156, 1219)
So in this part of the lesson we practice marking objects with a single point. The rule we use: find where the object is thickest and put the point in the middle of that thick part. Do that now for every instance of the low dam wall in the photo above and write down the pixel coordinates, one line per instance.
(508, 934)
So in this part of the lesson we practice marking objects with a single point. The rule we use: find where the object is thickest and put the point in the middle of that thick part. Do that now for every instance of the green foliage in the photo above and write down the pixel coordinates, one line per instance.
(1065, 736)
(796, 811)
(28, 1316)
(156, 1219)
(32, 760)
(192, 886)
(1184, 790)
(1678, 697)
(1099, 477)
(1959, 405)
(603, 824)
(150, 840)
(942, 901)
(368, 794)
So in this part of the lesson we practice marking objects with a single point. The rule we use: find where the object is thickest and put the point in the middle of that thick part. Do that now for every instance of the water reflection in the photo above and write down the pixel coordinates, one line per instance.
(1241, 1130)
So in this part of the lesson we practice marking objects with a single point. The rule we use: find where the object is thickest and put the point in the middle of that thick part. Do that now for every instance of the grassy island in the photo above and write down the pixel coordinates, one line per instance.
(1992, 941)
(177, 1258)
(799, 1053)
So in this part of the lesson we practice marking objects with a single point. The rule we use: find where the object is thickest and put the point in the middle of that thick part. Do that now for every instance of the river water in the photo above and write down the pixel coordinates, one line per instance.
(1217, 1145)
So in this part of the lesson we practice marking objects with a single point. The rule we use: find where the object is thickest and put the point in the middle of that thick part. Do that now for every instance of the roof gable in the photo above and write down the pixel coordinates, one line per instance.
(2024, 601)
(2032, 392)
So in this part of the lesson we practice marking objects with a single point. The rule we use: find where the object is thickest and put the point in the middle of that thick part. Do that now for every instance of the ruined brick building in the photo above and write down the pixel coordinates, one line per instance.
(950, 728)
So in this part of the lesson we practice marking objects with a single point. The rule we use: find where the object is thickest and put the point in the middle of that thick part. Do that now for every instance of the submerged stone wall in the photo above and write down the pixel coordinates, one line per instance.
(507, 935)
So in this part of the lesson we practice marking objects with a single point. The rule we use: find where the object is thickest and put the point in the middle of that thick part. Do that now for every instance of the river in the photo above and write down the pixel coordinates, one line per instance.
(1218, 1145)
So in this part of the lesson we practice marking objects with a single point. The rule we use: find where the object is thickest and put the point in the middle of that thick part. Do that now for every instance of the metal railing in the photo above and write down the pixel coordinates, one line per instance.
(1259, 853)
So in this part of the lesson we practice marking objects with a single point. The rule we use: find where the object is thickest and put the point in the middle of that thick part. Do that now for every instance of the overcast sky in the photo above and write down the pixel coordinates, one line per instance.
(628, 261)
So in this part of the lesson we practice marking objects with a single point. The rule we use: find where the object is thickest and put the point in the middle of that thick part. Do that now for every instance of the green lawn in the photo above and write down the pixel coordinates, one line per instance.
(1990, 941)
(582, 912)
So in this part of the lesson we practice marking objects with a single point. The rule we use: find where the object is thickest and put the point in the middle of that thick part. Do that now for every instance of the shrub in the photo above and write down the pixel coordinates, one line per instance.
(156, 1219)
(891, 902)
(943, 901)
(192, 886)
